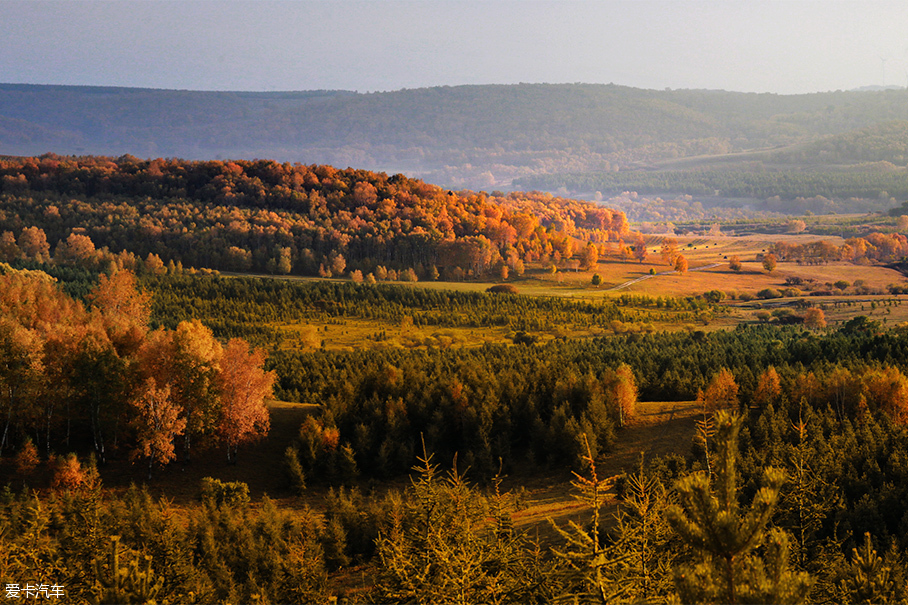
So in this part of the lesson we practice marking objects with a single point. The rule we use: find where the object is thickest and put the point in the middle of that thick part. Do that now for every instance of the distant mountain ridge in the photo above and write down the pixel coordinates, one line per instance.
(480, 137)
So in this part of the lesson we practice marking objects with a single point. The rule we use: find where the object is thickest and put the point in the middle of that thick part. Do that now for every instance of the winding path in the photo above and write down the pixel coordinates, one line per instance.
(639, 279)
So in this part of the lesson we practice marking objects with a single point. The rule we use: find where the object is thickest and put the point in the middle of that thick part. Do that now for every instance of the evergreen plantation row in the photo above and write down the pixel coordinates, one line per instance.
(262, 309)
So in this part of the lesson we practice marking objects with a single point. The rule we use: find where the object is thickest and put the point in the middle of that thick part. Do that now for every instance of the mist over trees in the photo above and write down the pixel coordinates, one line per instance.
(478, 137)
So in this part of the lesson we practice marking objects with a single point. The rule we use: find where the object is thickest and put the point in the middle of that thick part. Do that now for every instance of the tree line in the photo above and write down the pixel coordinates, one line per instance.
(258, 308)
(867, 183)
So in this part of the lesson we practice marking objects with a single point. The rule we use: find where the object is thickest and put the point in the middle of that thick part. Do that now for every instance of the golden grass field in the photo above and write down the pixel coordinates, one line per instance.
(709, 270)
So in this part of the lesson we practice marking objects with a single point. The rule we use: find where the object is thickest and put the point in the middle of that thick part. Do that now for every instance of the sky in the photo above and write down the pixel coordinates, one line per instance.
(786, 47)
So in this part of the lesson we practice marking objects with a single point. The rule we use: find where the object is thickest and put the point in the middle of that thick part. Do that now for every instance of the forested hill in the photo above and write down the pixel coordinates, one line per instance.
(470, 136)
(284, 218)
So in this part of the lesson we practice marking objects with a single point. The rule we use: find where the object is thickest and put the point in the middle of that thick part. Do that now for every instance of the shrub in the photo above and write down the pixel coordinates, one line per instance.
(714, 296)
(68, 472)
(231, 493)
(503, 289)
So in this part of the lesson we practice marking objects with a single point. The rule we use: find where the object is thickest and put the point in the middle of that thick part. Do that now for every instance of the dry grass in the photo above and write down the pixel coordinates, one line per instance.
(700, 251)
(660, 428)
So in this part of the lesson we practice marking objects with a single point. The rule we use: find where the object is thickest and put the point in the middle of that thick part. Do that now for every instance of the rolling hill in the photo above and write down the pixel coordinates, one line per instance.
(481, 137)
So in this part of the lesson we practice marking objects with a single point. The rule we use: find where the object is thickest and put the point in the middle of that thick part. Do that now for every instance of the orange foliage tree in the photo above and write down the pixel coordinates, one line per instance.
(243, 386)
(124, 309)
(669, 250)
(681, 264)
(624, 389)
(157, 421)
(769, 387)
(194, 364)
(814, 318)
(887, 388)
(722, 392)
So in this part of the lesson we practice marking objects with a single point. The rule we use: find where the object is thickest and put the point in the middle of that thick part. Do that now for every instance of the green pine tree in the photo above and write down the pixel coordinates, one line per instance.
(133, 583)
(729, 565)
(446, 543)
(641, 530)
(871, 579)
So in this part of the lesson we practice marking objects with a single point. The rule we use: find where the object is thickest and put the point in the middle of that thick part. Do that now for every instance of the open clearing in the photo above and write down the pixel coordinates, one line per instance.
(660, 428)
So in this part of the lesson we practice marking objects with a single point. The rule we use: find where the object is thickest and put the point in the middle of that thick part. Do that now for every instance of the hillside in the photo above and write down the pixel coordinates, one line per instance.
(480, 137)
(283, 218)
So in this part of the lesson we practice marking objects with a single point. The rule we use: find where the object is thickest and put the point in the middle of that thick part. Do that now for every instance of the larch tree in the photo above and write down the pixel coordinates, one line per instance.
(769, 387)
(590, 565)
(243, 386)
(444, 542)
(722, 392)
(642, 532)
(870, 578)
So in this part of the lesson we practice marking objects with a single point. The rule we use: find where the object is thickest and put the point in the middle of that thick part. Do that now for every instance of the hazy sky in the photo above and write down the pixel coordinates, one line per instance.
(745, 45)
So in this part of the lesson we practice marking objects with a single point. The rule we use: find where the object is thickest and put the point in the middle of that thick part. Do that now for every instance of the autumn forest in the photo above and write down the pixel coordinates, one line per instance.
(263, 382)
